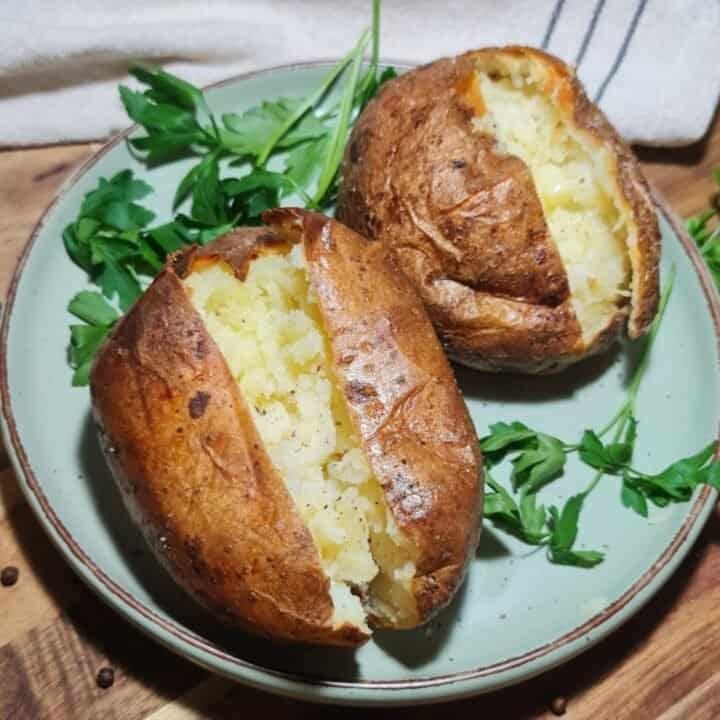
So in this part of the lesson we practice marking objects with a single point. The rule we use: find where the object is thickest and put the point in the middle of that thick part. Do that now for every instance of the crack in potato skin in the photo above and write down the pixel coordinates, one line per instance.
(203, 489)
(465, 223)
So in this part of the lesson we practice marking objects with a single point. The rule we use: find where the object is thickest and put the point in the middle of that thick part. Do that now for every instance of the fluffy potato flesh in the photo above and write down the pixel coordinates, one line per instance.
(572, 174)
(269, 329)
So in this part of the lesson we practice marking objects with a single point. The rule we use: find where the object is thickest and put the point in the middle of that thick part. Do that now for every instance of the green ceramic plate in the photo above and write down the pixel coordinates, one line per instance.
(517, 616)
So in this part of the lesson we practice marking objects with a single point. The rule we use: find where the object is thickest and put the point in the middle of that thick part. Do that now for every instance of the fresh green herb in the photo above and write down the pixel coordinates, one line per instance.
(336, 142)
(705, 231)
(107, 241)
(99, 316)
(633, 498)
(263, 129)
(309, 143)
(608, 458)
(228, 184)
(564, 531)
(168, 111)
(526, 520)
(538, 458)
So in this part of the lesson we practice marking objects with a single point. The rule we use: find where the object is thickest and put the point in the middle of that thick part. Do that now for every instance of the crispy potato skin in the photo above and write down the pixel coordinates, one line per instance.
(195, 477)
(192, 470)
(403, 399)
(466, 225)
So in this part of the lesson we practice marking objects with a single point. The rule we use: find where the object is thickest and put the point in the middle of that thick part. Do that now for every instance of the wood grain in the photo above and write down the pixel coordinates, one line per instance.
(55, 634)
(28, 181)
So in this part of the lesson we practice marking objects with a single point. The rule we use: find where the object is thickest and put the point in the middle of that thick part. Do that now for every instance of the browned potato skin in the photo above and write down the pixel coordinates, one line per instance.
(466, 225)
(194, 475)
(192, 470)
(403, 400)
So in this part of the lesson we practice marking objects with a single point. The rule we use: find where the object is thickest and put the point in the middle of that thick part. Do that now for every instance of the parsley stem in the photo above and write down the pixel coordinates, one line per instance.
(616, 438)
(337, 140)
(215, 130)
(311, 101)
(620, 413)
(627, 409)
(375, 57)
(371, 73)
(654, 327)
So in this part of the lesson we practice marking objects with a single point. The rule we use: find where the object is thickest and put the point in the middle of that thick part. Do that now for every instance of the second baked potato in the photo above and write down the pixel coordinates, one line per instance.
(286, 431)
(511, 203)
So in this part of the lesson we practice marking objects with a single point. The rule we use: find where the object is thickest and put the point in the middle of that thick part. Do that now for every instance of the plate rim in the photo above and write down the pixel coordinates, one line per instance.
(300, 685)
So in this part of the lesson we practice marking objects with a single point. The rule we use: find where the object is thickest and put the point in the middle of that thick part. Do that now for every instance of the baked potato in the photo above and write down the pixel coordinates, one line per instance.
(286, 431)
(516, 210)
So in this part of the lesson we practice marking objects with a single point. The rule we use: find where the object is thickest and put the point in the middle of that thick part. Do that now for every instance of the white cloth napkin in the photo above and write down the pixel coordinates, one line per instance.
(652, 65)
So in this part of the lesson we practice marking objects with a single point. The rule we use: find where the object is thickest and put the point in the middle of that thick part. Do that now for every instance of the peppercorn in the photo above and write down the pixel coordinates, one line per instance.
(105, 677)
(9, 575)
(558, 706)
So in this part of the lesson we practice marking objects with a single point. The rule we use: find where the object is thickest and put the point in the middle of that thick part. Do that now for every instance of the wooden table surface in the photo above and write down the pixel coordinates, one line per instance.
(55, 634)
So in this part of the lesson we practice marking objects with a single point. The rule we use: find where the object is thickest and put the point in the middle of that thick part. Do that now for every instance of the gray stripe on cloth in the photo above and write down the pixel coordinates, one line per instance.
(589, 33)
(623, 50)
(551, 25)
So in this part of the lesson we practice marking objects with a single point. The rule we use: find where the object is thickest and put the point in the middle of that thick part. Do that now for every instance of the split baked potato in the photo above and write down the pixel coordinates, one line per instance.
(513, 206)
(286, 431)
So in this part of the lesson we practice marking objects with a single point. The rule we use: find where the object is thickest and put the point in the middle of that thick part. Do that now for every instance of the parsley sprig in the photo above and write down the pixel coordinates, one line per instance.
(229, 182)
(537, 459)
(98, 317)
(705, 231)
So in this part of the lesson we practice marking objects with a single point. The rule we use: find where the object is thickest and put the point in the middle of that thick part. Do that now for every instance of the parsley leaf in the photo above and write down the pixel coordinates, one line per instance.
(171, 130)
(93, 308)
(86, 339)
(250, 133)
(677, 481)
(704, 229)
(105, 240)
(209, 203)
(169, 89)
(115, 278)
(576, 558)
(564, 533)
(541, 457)
(254, 193)
(503, 437)
(303, 161)
(539, 464)
(609, 458)
(533, 517)
(633, 498)
(525, 521)
(121, 188)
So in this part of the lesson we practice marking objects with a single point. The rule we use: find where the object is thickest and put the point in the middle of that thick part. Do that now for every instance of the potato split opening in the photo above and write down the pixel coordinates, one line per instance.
(574, 178)
(269, 329)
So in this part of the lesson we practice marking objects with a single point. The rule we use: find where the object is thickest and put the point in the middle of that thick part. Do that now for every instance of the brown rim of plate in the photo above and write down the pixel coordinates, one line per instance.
(131, 606)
